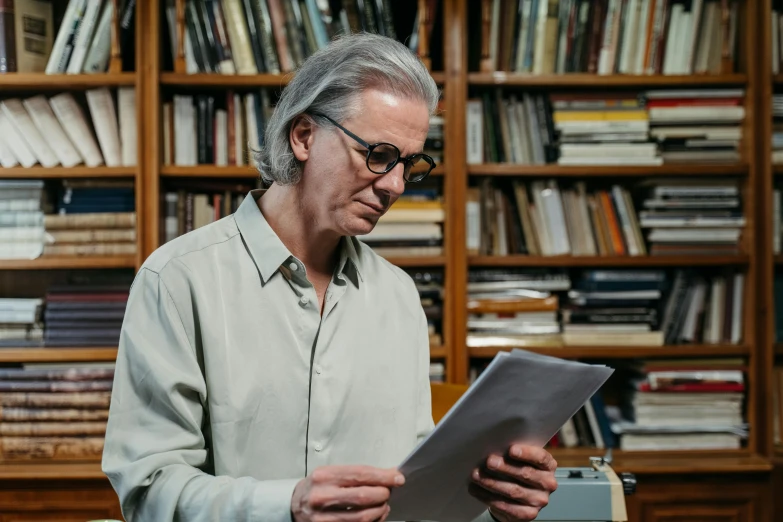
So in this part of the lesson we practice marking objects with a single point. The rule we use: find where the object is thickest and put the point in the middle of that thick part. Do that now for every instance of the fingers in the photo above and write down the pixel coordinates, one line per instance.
(535, 456)
(374, 514)
(352, 476)
(511, 491)
(336, 498)
(523, 474)
(503, 506)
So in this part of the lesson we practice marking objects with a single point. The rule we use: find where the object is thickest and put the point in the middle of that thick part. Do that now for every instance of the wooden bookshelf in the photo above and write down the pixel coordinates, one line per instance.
(64, 263)
(593, 81)
(509, 169)
(30, 355)
(67, 172)
(778, 349)
(623, 352)
(755, 172)
(606, 261)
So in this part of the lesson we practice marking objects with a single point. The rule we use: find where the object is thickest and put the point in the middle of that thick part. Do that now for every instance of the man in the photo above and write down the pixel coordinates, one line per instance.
(271, 366)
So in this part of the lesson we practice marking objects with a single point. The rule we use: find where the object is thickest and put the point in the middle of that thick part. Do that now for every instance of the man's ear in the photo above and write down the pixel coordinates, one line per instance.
(301, 137)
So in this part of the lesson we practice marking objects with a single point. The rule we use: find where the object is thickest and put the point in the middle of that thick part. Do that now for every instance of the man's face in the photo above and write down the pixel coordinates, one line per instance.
(338, 190)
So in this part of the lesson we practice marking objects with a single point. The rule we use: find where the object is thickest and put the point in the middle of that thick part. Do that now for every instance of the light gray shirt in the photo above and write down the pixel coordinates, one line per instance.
(230, 386)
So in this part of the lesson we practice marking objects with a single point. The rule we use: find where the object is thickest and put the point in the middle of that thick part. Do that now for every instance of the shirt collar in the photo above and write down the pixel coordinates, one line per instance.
(269, 252)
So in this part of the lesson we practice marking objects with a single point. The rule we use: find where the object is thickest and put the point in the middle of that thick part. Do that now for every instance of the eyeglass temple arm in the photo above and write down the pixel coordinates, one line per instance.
(349, 133)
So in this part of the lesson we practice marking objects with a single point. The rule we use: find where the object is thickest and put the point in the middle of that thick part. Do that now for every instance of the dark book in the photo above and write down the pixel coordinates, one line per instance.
(7, 37)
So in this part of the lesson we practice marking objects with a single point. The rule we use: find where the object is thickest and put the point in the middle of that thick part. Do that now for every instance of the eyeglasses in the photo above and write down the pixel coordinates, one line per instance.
(382, 157)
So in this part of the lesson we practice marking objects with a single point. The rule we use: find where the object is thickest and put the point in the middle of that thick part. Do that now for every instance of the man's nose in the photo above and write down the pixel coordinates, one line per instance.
(393, 181)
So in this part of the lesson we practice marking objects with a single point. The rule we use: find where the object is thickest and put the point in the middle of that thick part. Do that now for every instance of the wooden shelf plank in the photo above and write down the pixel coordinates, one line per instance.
(224, 80)
(609, 261)
(588, 81)
(414, 261)
(52, 470)
(778, 349)
(777, 169)
(243, 80)
(553, 170)
(234, 171)
(28, 355)
(209, 171)
(68, 172)
(438, 352)
(75, 262)
(669, 462)
(622, 352)
(777, 78)
(60, 82)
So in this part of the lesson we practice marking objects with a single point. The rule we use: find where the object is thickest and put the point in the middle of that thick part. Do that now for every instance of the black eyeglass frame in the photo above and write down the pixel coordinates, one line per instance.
(407, 161)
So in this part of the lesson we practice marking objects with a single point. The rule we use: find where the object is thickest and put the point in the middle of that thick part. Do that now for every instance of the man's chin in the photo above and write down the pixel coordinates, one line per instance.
(360, 226)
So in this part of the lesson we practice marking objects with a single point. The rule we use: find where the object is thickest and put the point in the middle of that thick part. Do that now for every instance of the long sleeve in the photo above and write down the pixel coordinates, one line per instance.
(156, 453)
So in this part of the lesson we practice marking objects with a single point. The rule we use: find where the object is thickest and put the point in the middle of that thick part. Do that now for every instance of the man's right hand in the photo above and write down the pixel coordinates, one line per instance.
(344, 493)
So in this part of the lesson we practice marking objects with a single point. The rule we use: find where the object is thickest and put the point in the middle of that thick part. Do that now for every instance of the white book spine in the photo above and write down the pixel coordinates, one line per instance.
(7, 161)
(97, 60)
(23, 124)
(74, 122)
(475, 132)
(104, 119)
(776, 221)
(84, 36)
(239, 133)
(736, 308)
(238, 37)
(221, 137)
(126, 100)
(22, 152)
(44, 119)
(167, 129)
(64, 41)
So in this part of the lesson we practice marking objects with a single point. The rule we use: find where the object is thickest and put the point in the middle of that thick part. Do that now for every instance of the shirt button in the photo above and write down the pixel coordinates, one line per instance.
(303, 301)
(341, 277)
(318, 370)
(294, 267)
(317, 446)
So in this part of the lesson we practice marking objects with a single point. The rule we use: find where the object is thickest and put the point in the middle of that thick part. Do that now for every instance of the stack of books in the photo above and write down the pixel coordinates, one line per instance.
(693, 217)
(21, 219)
(92, 218)
(614, 308)
(514, 308)
(55, 132)
(685, 405)
(603, 129)
(54, 411)
(697, 125)
(413, 226)
(590, 427)
(429, 283)
(81, 315)
(20, 322)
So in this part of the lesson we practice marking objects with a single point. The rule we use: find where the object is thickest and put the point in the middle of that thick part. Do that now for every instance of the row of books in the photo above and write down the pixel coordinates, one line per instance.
(83, 42)
(68, 315)
(74, 218)
(429, 283)
(205, 129)
(518, 308)
(54, 411)
(606, 36)
(622, 128)
(661, 405)
(276, 36)
(551, 218)
(56, 131)
(777, 129)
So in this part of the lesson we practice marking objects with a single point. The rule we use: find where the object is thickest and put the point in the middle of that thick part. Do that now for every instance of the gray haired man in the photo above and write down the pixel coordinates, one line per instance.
(272, 367)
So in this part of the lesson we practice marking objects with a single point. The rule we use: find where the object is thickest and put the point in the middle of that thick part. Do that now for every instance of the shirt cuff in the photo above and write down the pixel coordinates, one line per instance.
(273, 500)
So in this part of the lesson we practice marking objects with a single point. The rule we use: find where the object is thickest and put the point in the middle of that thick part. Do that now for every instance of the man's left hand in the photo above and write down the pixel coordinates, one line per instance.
(516, 486)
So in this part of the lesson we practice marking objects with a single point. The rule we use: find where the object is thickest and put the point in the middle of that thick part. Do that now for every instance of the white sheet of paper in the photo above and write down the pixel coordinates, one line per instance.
(520, 397)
